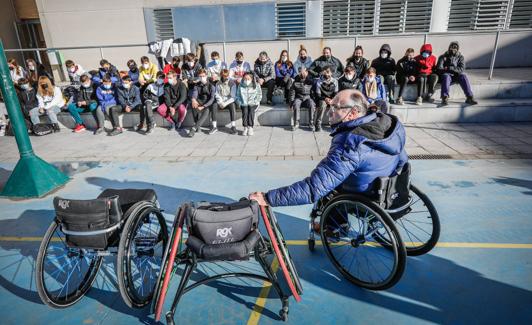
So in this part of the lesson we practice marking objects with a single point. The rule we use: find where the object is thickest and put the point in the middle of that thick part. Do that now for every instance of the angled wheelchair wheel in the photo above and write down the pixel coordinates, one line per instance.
(140, 253)
(348, 225)
(420, 227)
(281, 251)
(64, 274)
(171, 251)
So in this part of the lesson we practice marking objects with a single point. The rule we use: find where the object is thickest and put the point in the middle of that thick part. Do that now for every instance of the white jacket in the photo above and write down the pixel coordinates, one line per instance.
(236, 72)
(47, 102)
(214, 68)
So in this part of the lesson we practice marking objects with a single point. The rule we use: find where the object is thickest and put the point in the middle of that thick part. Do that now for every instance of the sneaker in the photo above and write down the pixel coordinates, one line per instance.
(172, 126)
(191, 133)
(245, 132)
(138, 127)
(269, 102)
(56, 127)
(98, 131)
(312, 128)
(149, 129)
(250, 131)
(79, 128)
(178, 125)
(391, 100)
(116, 131)
(429, 98)
(233, 130)
(444, 101)
(419, 101)
(318, 128)
(400, 101)
(471, 101)
(295, 126)
(213, 130)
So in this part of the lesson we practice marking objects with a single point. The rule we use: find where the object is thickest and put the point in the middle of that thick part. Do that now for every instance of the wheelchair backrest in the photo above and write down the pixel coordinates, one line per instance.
(128, 197)
(394, 191)
(218, 223)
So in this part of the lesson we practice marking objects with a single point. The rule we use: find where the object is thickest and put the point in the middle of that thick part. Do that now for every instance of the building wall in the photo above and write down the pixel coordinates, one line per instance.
(7, 29)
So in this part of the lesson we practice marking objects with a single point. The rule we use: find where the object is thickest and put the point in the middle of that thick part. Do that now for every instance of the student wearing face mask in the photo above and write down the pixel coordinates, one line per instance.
(265, 75)
(133, 72)
(75, 71)
(85, 100)
(174, 109)
(238, 68)
(300, 96)
(215, 67)
(428, 77)
(225, 97)
(202, 103)
(284, 73)
(16, 71)
(349, 79)
(326, 60)
(50, 101)
(36, 70)
(172, 66)
(128, 96)
(303, 60)
(385, 67)
(407, 73)
(106, 94)
(248, 97)
(27, 97)
(359, 63)
(106, 68)
(153, 98)
(325, 90)
(147, 72)
(190, 70)
(373, 89)
(451, 67)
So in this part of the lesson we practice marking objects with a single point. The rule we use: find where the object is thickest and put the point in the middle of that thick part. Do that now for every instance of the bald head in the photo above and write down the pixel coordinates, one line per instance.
(350, 104)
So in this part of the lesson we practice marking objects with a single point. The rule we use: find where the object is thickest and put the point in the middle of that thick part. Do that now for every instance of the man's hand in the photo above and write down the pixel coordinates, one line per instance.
(172, 111)
(127, 108)
(259, 197)
(412, 78)
(195, 103)
(41, 110)
(261, 81)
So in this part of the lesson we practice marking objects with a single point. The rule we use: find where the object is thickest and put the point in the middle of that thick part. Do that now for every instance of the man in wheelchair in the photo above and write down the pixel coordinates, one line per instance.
(366, 145)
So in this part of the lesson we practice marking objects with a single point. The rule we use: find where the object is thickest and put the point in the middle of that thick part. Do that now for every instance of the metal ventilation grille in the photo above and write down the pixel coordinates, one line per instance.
(361, 16)
(291, 19)
(478, 14)
(521, 14)
(418, 15)
(335, 18)
(392, 16)
(164, 25)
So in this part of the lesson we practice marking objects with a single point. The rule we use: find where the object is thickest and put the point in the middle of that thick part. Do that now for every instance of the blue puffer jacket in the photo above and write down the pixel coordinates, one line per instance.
(361, 150)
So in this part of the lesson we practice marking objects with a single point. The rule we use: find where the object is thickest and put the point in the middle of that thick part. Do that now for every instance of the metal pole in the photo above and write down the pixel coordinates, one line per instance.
(356, 41)
(223, 50)
(288, 49)
(494, 54)
(425, 38)
(32, 176)
(101, 53)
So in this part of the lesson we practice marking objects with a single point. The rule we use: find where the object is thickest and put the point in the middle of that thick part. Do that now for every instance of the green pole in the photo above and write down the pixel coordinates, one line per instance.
(32, 176)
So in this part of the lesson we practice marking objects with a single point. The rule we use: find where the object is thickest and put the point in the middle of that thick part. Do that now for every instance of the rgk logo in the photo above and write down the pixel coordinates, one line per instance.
(64, 204)
(223, 232)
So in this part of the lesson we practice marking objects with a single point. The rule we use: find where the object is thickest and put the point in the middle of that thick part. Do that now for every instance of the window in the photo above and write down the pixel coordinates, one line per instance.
(164, 27)
(521, 14)
(291, 19)
(478, 14)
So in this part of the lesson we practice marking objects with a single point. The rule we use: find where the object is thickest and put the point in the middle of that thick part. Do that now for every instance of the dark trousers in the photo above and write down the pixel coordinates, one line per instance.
(248, 115)
(285, 84)
(270, 85)
(320, 111)
(296, 107)
(389, 82)
(146, 111)
(113, 112)
(232, 111)
(201, 116)
(462, 79)
(426, 84)
(403, 81)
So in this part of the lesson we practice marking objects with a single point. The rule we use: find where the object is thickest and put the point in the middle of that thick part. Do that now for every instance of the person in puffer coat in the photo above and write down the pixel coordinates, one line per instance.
(428, 76)
(385, 66)
(363, 147)
(326, 60)
(265, 74)
(407, 72)
(300, 96)
(248, 96)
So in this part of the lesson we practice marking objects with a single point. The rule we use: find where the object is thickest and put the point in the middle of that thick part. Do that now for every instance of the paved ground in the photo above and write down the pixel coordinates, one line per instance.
(481, 273)
(459, 141)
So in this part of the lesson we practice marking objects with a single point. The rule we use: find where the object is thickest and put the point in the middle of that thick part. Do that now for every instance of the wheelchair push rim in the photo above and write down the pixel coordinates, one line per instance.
(347, 228)
(140, 254)
(281, 252)
(64, 274)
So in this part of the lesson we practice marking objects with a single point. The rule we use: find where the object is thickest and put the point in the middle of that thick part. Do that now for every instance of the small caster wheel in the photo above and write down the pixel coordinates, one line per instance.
(169, 318)
(284, 315)
(311, 244)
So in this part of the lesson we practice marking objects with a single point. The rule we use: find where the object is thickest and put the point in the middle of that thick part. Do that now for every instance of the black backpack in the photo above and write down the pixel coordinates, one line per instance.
(41, 129)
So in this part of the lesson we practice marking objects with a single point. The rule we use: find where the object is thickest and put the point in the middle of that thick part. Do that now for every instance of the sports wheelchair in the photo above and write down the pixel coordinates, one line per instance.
(223, 232)
(367, 236)
(125, 222)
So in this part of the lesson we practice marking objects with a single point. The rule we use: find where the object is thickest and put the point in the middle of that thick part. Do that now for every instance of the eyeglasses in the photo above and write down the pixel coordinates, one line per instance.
(337, 107)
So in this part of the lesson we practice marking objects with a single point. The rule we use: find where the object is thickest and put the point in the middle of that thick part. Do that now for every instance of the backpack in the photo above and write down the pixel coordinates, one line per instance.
(41, 129)
(9, 128)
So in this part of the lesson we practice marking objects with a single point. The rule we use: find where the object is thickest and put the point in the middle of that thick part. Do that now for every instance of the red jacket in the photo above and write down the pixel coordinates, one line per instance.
(167, 69)
(426, 66)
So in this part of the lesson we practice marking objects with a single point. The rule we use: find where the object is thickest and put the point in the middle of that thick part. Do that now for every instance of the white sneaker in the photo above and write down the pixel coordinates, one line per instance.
(250, 131)
(245, 131)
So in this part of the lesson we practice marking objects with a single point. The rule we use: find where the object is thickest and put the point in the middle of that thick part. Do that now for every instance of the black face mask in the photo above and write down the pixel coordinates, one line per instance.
(303, 58)
(133, 68)
(453, 51)
(357, 58)
(239, 61)
(223, 79)
(44, 86)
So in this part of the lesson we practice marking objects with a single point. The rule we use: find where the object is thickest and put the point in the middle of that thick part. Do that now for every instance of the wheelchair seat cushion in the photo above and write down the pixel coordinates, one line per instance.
(234, 251)
(219, 223)
(128, 197)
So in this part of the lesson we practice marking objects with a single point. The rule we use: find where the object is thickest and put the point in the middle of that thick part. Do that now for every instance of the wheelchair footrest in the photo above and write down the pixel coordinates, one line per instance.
(235, 251)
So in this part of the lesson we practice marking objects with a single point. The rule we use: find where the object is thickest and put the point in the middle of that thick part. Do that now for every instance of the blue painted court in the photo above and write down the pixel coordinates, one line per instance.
(481, 273)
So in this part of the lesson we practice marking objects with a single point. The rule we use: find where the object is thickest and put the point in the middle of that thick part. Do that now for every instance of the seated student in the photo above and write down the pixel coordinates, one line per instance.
(172, 66)
(190, 70)
(106, 94)
(215, 67)
(325, 90)
(284, 73)
(128, 97)
(248, 96)
(359, 63)
(303, 60)
(451, 67)
(133, 72)
(238, 68)
(202, 103)
(407, 71)
(106, 68)
(385, 67)
(300, 96)
(36, 70)
(428, 77)
(153, 98)
(265, 74)
(348, 80)
(174, 108)
(326, 60)
(147, 72)
(373, 89)
(75, 71)
(50, 101)
(27, 97)
(16, 71)
(225, 97)
(85, 100)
